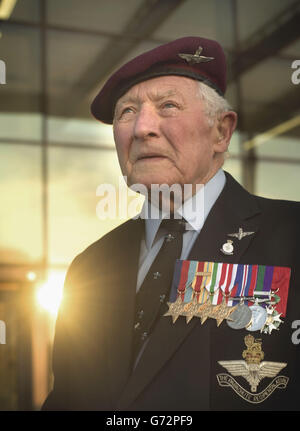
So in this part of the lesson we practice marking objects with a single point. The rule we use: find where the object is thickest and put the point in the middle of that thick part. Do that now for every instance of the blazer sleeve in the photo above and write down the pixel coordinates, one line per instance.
(65, 344)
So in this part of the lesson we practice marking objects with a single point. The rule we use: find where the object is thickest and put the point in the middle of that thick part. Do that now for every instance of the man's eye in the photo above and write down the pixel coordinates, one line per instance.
(127, 110)
(169, 105)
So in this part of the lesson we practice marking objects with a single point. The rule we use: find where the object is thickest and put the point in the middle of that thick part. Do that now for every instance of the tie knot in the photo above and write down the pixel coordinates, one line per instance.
(174, 225)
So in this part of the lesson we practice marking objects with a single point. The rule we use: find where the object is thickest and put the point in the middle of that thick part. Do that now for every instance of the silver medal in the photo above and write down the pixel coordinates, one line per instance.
(241, 317)
(259, 317)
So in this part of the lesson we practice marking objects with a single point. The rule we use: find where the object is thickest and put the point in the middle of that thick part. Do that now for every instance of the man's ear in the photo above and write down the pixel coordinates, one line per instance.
(226, 125)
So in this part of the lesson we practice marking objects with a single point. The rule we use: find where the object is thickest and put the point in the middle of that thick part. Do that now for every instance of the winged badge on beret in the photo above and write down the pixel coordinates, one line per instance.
(196, 58)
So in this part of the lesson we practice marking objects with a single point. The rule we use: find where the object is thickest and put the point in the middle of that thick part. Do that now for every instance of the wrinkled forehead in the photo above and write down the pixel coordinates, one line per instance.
(160, 88)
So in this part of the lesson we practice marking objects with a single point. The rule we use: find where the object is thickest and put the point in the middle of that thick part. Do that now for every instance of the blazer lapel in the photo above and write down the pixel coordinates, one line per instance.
(235, 208)
(123, 267)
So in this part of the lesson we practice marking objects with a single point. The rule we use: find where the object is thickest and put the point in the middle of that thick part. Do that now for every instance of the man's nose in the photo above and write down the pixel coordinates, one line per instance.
(146, 123)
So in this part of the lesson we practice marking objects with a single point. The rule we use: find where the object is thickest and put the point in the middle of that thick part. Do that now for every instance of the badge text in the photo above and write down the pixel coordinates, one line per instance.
(296, 334)
(296, 74)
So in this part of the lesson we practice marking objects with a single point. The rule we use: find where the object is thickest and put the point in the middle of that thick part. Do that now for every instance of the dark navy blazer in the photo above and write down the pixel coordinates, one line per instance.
(178, 370)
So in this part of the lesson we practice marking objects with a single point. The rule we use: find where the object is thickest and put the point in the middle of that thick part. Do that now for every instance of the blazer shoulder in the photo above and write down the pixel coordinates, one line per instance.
(110, 243)
(282, 215)
(280, 221)
(288, 208)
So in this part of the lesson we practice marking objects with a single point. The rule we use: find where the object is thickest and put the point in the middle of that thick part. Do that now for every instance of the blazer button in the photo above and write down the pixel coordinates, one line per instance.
(169, 237)
(162, 298)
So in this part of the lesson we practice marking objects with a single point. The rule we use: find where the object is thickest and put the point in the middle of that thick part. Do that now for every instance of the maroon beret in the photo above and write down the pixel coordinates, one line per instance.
(195, 57)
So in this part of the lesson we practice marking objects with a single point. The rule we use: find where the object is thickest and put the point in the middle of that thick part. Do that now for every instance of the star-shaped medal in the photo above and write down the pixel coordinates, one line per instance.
(175, 309)
(221, 312)
(204, 311)
(273, 321)
(190, 309)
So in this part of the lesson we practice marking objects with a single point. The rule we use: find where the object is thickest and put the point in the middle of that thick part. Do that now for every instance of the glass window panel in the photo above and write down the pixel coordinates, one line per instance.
(187, 19)
(292, 50)
(20, 126)
(8, 352)
(278, 180)
(80, 49)
(72, 82)
(267, 81)
(234, 147)
(281, 146)
(73, 130)
(255, 14)
(26, 10)
(232, 95)
(109, 16)
(74, 176)
(224, 25)
(47, 299)
(234, 167)
(20, 209)
(20, 49)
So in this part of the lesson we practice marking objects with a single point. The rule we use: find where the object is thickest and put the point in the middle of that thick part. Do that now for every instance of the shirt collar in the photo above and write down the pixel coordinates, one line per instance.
(206, 195)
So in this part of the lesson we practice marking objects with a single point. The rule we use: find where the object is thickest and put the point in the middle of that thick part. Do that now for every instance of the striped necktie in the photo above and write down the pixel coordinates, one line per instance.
(154, 292)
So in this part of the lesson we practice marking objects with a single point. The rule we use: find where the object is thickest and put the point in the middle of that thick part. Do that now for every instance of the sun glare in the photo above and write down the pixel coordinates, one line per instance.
(49, 294)
(31, 276)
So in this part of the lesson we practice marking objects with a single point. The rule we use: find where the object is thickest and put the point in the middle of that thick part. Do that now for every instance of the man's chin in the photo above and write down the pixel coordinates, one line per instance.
(149, 180)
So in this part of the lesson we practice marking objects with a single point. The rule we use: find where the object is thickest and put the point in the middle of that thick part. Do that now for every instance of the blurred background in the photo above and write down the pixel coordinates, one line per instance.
(53, 154)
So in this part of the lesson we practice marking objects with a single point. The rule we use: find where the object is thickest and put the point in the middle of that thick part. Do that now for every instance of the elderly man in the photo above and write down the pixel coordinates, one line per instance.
(181, 312)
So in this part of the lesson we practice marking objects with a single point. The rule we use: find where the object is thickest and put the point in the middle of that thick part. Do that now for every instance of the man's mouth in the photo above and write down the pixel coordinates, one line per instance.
(151, 157)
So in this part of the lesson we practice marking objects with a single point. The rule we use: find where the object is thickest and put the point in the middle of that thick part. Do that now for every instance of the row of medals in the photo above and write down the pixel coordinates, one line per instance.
(240, 316)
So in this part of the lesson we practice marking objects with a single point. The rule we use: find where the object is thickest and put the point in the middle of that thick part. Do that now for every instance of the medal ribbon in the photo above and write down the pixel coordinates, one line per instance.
(260, 280)
(223, 278)
(238, 279)
(268, 279)
(252, 284)
(245, 278)
(214, 289)
(281, 281)
(238, 283)
(180, 278)
(210, 285)
(190, 279)
(229, 284)
(264, 281)
(208, 266)
(197, 282)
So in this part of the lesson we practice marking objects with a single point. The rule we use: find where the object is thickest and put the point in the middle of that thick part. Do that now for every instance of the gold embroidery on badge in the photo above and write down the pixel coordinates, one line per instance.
(254, 370)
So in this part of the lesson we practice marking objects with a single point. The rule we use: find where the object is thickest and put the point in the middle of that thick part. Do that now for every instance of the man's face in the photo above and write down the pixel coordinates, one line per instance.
(162, 134)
